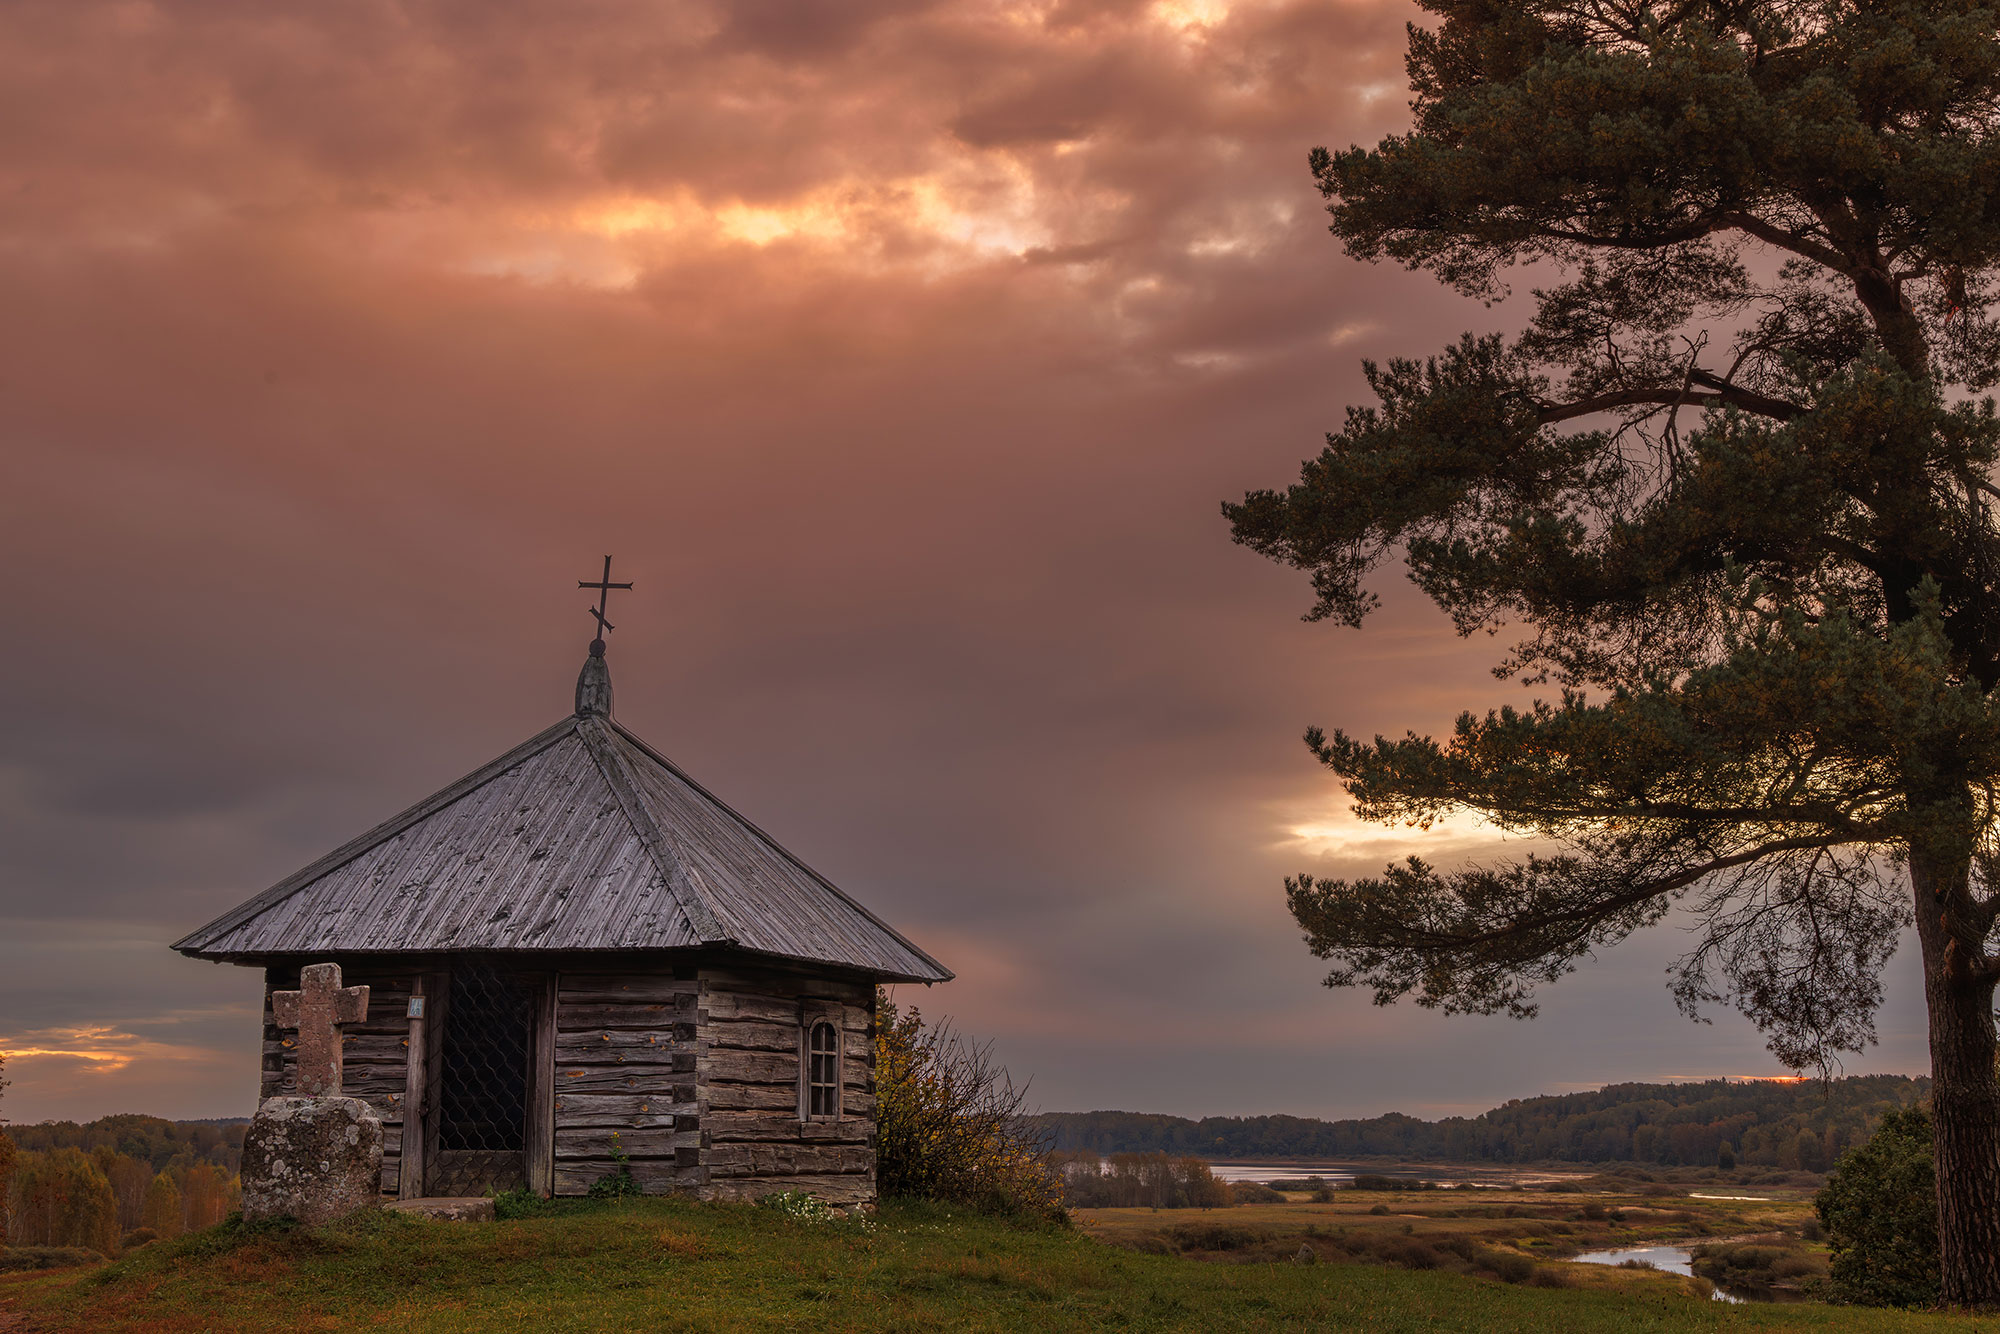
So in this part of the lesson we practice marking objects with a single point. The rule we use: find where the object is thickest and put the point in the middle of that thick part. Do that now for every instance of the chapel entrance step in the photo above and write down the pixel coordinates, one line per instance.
(449, 1208)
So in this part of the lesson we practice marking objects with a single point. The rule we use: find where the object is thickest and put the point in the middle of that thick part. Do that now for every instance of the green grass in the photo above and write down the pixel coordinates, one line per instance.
(1537, 1222)
(663, 1264)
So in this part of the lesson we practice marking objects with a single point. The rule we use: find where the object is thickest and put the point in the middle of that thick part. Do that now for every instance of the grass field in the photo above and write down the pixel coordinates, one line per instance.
(1534, 1222)
(664, 1264)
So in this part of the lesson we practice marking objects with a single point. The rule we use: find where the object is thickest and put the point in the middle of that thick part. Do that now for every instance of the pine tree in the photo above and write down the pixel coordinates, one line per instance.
(1736, 479)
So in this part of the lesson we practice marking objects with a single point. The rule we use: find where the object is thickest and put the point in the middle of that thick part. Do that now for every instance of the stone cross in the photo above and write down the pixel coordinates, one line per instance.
(317, 1009)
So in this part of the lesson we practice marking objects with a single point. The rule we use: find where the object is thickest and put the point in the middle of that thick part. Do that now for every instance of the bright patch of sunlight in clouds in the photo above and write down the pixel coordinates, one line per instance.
(100, 1049)
(983, 212)
(1337, 834)
(1189, 16)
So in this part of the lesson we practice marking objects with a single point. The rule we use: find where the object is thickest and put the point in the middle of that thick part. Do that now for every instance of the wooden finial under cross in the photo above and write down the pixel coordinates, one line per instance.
(603, 587)
(317, 1009)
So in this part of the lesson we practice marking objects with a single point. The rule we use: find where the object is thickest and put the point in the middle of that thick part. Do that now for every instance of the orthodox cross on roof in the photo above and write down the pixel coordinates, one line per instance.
(317, 1009)
(603, 587)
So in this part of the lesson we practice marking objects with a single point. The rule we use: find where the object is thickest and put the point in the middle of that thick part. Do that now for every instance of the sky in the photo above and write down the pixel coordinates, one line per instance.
(901, 352)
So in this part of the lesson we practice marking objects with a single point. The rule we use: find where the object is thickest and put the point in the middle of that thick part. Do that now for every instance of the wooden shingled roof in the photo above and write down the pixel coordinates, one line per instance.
(581, 838)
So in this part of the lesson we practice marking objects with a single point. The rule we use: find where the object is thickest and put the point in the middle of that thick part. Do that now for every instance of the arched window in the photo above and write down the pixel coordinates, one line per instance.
(823, 1071)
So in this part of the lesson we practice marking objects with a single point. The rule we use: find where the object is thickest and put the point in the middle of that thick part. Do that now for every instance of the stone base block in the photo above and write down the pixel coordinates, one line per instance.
(449, 1208)
(313, 1159)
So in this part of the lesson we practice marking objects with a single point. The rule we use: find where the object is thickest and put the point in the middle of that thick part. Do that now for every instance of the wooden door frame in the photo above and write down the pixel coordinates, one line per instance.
(538, 1165)
(425, 1072)
(420, 1083)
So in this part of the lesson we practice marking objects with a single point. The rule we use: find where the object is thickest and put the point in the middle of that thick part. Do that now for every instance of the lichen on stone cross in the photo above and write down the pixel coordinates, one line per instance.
(317, 1009)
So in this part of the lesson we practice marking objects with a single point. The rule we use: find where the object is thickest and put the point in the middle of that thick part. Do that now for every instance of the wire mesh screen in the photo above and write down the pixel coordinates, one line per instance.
(483, 1090)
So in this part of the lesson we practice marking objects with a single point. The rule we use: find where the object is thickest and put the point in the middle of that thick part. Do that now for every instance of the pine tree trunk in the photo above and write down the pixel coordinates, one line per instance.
(1965, 1090)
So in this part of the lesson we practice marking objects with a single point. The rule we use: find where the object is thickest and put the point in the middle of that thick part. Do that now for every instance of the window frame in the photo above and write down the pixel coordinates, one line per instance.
(811, 1016)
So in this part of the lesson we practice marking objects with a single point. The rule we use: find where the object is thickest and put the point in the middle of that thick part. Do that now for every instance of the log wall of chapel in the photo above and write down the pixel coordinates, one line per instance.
(692, 1072)
(754, 1140)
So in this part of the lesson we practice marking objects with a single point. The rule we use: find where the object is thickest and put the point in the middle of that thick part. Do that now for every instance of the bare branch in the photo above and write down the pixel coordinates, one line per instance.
(1601, 909)
(1669, 396)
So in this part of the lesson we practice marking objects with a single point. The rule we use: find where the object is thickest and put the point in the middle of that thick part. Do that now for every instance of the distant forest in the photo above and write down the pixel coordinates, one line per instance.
(116, 1182)
(158, 1143)
(1794, 1126)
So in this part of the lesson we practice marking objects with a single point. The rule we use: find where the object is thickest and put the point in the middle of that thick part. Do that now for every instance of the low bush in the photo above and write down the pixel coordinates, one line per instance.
(13, 1259)
(950, 1125)
(1216, 1237)
(1251, 1192)
(1758, 1264)
(1879, 1210)
(1415, 1254)
(1318, 1188)
(1507, 1266)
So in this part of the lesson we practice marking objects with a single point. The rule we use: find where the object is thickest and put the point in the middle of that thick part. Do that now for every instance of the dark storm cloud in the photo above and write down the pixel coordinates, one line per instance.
(901, 352)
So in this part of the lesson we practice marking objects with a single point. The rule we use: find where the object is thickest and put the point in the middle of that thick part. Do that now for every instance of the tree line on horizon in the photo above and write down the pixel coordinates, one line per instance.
(115, 1182)
(1781, 1126)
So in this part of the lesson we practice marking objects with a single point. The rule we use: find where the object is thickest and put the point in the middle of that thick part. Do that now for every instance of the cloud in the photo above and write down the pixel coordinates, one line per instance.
(901, 352)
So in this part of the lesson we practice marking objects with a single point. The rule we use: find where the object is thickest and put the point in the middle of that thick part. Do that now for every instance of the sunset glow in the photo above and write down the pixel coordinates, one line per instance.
(902, 353)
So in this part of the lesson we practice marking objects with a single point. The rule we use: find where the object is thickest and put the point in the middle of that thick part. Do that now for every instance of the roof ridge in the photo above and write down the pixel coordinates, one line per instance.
(680, 881)
(375, 837)
(776, 846)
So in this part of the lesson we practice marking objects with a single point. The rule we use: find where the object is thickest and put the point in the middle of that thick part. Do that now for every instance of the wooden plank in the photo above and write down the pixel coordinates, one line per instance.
(539, 1154)
(660, 1015)
(625, 983)
(776, 981)
(658, 1062)
(765, 1159)
(613, 1078)
(416, 1069)
(384, 1086)
(751, 1098)
(723, 1127)
(755, 1036)
(575, 1110)
(595, 1142)
(661, 1177)
(776, 1097)
(605, 1046)
(361, 1048)
(729, 1066)
(737, 1005)
(733, 1066)
(387, 1112)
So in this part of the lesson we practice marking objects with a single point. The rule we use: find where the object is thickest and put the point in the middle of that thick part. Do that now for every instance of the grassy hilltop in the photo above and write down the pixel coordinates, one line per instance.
(665, 1264)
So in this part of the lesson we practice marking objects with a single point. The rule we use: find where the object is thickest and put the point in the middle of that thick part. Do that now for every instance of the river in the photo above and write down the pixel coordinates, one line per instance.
(1343, 1173)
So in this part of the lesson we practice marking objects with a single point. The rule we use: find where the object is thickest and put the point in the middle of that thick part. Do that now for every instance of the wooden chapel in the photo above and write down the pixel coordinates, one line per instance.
(577, 956)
